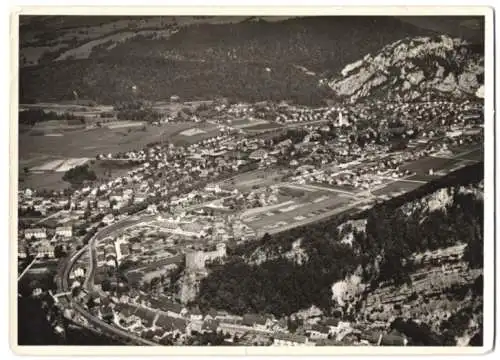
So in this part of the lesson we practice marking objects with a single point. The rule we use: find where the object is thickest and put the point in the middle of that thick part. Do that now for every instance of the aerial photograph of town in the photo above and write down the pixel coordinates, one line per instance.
(265, 181)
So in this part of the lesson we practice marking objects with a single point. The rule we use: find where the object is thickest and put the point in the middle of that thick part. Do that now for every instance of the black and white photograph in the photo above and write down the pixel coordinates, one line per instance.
(252, 181)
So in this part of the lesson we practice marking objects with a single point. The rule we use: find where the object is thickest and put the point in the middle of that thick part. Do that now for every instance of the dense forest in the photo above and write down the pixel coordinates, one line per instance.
(110, 79)
(282, 286)
(136, 110)
(245, 61)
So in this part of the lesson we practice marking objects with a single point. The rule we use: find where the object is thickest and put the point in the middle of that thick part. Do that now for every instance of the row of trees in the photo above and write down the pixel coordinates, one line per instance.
(33, 116)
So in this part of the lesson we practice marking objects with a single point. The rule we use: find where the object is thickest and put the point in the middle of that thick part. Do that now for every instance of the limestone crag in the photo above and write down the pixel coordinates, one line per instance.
(413, 68)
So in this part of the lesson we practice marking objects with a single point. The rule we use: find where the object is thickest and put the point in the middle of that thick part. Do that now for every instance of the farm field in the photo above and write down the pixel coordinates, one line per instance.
(345, 188)
(55, 126)
(124, 124)
(194, 134)
(475, 155)
(463, 155)
(397, 188)
(53, 180)
(299, 220)
(36, 150)
(60, 165)
(298, 211)
(48, 181)
(423, 177)
(245, 181)
(262, 127)
(454, 166)
(422, 166)
(248, 123)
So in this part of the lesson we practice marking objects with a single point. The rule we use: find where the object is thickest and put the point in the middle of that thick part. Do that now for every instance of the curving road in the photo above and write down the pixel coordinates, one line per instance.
(78, 307)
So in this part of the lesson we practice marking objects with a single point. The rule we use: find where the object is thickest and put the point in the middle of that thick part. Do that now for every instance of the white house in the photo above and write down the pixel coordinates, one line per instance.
(213, 188)
(259, 154)
(195, 314)
(319, 332)
(108, 219)
(64, 231)
(79, 272)
(45, 250)
(284, 339)
(103, 204)
(139, 199)
(21, 250)
(116, 198)
(37, 233)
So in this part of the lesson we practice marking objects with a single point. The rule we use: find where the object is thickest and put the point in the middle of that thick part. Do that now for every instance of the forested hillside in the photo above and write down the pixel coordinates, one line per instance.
(251, 61)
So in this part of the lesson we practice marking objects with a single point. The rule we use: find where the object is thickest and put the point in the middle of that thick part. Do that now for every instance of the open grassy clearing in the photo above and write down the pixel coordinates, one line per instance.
(300, 211)
(35, 150)
(263, 126)
(256, 178)
(48, 181)
(422, 166)
(476, 155)
(343, 188)
(423, 177)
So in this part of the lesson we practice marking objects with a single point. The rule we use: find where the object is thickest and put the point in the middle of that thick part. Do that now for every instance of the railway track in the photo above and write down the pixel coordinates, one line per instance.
(98, 323)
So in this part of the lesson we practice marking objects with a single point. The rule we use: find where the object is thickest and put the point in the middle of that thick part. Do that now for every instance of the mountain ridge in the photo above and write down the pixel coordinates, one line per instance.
(249, 60)
(164, 67)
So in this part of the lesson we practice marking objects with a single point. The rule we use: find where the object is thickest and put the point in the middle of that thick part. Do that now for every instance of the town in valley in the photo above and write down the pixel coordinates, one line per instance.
(250, 181)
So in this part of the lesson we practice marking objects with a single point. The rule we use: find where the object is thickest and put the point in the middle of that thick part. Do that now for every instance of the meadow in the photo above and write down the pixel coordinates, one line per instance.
(36, 150)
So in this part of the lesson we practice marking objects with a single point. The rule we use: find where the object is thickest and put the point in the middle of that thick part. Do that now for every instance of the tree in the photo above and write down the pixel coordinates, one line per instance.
(477, 339)
(474, 252)
(59, 251)
(106, 285)
(266, 238)
(79, 174)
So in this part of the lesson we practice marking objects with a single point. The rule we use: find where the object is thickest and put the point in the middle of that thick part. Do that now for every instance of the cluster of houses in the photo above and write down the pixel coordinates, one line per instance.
(337, 116)
(284, 113)
(41, 242)
(160, 320)
(356, 174)
(164, 170)
(30, 202)
(427, 116)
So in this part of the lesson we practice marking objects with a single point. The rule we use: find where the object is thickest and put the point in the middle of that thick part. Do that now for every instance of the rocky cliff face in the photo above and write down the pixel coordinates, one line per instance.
(296, 254)
(441, 199)
(413, 68)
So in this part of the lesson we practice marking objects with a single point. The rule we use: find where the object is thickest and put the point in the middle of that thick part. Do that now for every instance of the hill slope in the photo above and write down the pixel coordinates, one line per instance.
(250, 60)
